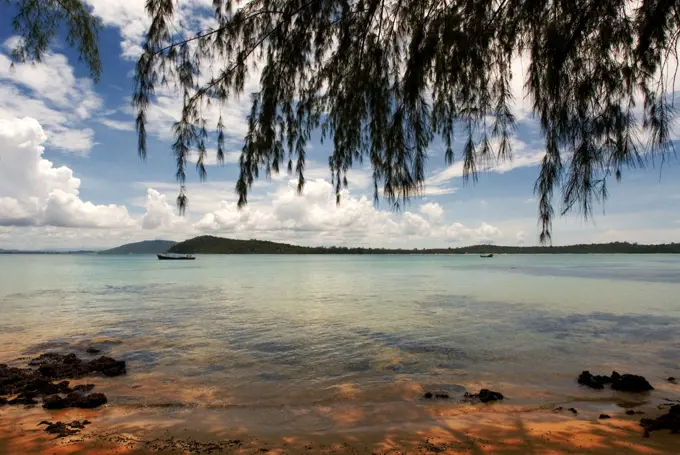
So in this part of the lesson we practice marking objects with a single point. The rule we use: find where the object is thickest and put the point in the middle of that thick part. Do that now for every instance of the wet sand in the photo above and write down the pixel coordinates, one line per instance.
(454, 429)
(333, 355)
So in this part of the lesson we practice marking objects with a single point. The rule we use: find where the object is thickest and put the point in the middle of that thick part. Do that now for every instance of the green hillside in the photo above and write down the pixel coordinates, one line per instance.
(218, 245)
(145, 247)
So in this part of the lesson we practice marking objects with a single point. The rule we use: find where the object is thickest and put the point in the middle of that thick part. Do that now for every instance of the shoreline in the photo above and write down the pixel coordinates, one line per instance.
(497, 429)
(530, 420)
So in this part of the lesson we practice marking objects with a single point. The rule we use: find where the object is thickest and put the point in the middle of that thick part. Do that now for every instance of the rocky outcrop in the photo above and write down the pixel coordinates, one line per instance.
(621, 382)
(436, 395)
(670, 421)
(632, 383)
(26, 385)
(485, 396)
(62, 430)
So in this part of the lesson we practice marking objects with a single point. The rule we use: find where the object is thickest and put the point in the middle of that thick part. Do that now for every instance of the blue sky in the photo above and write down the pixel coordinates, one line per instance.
(70, 176)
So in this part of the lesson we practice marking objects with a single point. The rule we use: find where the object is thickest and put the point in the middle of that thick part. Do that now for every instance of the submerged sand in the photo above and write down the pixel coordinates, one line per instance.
(446, 428)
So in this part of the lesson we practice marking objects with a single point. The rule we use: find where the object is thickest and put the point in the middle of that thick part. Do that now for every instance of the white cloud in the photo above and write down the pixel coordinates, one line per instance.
(117, 124)
(315, 217)
(131, 19)
(485, 233)
(523, 156)
(160, 214)
(68, 210)
(433, 210)
(34, 192)
(127, 15)
(49, 91)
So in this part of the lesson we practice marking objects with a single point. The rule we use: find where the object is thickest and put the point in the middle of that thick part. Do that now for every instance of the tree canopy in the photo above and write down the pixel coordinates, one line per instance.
(382, 79)
(37, 22)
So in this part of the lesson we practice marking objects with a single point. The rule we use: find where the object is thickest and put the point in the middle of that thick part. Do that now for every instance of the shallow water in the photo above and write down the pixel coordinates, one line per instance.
(262, 334)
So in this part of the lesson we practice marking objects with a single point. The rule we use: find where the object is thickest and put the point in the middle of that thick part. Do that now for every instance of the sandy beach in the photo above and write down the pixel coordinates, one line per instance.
(466, 429)
(342, 362)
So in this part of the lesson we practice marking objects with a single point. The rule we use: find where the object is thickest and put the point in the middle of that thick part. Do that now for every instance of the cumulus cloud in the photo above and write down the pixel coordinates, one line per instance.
(35, 192)
(51, 92)
(433, 210)
(159, 213)
(315, 217)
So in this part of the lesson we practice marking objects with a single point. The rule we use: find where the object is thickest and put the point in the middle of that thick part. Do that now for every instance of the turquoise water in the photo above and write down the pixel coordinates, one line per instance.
(264, 332)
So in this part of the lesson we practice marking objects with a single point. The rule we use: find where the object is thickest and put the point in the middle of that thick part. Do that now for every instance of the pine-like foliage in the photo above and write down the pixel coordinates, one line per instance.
(37, 23)
(383, 78)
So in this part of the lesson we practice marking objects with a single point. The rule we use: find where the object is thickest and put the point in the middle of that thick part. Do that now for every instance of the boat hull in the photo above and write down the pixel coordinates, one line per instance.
(164, 257)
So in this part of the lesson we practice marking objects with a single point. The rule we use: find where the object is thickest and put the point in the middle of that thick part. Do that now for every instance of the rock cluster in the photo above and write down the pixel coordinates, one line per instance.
(62, 430)
(670, 421)
(485, 396)
(25, 385)
(621, 382)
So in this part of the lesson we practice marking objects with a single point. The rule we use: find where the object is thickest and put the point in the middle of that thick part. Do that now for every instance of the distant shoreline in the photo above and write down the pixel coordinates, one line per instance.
(218, 245)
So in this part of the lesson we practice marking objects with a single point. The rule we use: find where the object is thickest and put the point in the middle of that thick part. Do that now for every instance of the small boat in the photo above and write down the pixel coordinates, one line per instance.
(175, 256)
(488, 255)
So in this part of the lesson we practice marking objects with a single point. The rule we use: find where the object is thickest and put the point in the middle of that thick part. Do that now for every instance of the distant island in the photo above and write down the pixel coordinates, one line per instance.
(145, 247)
(207, 244)
(218, 245)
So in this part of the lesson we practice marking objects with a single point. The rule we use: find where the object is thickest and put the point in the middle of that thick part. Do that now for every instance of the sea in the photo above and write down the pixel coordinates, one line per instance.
(332, 342)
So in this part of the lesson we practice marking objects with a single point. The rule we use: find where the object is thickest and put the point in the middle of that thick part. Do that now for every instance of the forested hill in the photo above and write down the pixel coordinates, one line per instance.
(218, 245)
(145, 247)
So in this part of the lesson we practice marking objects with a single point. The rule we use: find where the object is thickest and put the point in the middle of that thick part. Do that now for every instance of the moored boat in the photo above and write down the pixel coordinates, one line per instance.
(175, 256)
(488, 255)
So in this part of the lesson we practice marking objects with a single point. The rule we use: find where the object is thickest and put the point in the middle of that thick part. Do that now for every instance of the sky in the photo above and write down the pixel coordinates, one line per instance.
(70, 176)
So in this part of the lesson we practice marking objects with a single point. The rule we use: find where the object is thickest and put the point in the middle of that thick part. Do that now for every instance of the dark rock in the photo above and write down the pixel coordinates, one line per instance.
(594, 382)
(108, 366)
(83, 387)
(442, 395)
(670, 421)
(485, 396)
(624, 383)
(60, 429)
(77, 425)
(57, 366)
(41, 385)
(23, 399)
(632, 383)
(26, 384)
(48, 357)
(428, 395)
(671, 379)
(92, 350)
(71, 359)
(630, 412)
(55, 402)
(605, 416)
(49, 370)
(75, 400)
(573, 410)
(93, 400)
(86, 422)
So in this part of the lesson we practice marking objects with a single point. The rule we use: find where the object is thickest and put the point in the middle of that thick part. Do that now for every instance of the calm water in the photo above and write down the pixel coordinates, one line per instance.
(272, 332)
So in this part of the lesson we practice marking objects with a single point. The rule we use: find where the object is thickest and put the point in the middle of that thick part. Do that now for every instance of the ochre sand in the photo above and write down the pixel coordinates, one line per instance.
(462, 428)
